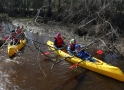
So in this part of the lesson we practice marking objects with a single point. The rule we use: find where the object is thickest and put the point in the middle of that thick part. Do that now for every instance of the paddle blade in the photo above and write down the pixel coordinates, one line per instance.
(46, 53)
(99, 52)
(73, 66)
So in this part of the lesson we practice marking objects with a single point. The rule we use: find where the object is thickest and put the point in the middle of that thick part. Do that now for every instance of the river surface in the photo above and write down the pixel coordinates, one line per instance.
(30, 70)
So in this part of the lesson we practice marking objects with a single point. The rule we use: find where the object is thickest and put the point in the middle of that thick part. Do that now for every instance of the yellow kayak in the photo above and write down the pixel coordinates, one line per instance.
(12, 49)
(99, 67)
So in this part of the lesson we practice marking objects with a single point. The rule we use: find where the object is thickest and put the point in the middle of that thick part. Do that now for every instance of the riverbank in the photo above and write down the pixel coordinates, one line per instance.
(67, 31)
(49, 30)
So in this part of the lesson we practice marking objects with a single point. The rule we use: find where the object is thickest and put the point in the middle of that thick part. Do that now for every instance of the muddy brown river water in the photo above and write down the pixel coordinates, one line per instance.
(29, 70)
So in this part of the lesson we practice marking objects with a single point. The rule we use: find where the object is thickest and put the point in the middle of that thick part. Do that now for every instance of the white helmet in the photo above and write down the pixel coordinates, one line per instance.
(73, 41)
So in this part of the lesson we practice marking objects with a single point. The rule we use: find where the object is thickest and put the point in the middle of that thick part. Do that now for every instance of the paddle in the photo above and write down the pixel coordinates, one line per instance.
(6, 38)
(43, 52)
(46, 53)
(76, 64)
(6, 41)
(61, 60)
(98, 52)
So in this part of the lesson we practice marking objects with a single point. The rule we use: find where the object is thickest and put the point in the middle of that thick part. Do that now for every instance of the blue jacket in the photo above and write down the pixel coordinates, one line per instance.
(83, 55)
(72, 48)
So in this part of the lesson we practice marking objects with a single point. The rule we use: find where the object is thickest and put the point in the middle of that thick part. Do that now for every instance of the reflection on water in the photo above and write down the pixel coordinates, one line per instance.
(32, 71)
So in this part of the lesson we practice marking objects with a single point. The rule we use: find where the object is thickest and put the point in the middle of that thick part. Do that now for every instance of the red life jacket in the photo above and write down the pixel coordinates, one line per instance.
(13, 34)
(59, 42)
(14, 37)
(19, 31)
(72, 47)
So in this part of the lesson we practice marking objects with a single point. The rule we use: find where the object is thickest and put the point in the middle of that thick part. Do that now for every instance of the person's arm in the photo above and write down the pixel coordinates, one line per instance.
(87, 54)
(81, 46)
(76, 51)
(69, 50)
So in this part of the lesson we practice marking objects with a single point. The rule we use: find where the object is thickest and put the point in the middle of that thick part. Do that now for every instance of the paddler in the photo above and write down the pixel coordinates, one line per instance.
(14, 37)
(20, 32)
(58, 40)
(71, 47)
(81, 53)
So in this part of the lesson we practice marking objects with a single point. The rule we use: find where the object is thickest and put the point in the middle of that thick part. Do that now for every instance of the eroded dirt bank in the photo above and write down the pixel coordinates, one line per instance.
(67, 31)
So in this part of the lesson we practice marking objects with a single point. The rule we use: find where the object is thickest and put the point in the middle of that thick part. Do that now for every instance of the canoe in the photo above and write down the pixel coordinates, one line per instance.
(13, 49)
(99, 67)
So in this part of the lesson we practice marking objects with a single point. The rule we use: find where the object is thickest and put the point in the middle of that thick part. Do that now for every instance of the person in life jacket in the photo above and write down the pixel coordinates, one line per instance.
(14, 37)
(19, 32)
(71, 47)
(58, 40)
(23, 29)
(81, 53)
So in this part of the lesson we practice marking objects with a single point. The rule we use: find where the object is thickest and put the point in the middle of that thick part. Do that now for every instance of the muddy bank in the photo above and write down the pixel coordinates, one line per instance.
(49, 29)
(68, 32)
